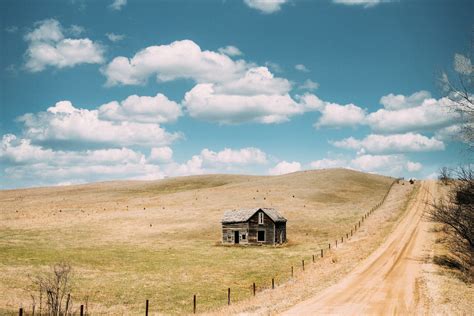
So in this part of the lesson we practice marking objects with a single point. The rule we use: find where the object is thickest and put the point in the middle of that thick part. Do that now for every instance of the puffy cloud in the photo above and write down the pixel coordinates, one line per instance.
(336, 115)
(65, 123)
(265, 6)
(365, 3)
(204, 102)
(309, 85)
(226, 160)
(115, 37)
(396, 143)
(400, 117)
(48, 47)
(311, 102)
(180, 59)
(385, 164)
(255, 81)
(244, 156)
(34, 165)
(413, 166)
(394, 165)
(284, 167)
(117, 5)
(329, 163)
(399, 101)
(301, 67)
(160, 154)
(230, 51)
(144, 109)
(450, 133)
(20, 151)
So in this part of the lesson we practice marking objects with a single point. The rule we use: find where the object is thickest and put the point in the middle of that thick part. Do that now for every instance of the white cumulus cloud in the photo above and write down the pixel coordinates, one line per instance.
(47, 46)
(284, 167)
(412, 114)
(329, 163)
(160, 154)
(336, 115)
(180, 59)
(65, 123)
(385, 164)
(144, 109)
(205, 103)
(396, 143)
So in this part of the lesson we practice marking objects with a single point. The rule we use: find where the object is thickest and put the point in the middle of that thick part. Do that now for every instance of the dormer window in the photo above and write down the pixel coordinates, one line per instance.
(260, 218)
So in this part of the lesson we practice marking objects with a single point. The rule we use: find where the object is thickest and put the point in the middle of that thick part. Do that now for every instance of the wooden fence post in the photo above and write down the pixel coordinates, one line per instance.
(81, 312)
(228, 296)
(313, 258)
(302, 262)
(194, 304)
(322, 255)
(291, 271)
(329, 247)
(146, 308)
(254, 289)
(342, 239)
(336, 243)
(20, 312)
(273, 283)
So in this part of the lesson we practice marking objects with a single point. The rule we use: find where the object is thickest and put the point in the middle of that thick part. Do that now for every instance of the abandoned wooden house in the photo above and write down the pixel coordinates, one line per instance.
(253, 226)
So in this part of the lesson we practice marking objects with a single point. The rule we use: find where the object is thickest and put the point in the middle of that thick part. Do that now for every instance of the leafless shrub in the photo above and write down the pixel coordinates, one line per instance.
(53, 291)
(456, 212)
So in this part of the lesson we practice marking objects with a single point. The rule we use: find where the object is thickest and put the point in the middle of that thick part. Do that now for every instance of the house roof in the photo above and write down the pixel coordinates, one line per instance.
(243, 215)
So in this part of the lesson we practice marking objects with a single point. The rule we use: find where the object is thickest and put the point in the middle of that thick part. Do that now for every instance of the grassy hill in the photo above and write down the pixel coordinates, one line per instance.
(160, 240)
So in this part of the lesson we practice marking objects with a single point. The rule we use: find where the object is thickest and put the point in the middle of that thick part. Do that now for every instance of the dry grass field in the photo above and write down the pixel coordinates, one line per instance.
(160, 240)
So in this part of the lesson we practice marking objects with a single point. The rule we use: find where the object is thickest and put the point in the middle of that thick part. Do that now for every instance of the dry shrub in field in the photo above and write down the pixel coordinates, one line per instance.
(457, 214)
(53, 290)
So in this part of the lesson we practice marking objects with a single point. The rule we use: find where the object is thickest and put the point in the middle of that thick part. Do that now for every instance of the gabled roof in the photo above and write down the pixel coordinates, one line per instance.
(243, 215)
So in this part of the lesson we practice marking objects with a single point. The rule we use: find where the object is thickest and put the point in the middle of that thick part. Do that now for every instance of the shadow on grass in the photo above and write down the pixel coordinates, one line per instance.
(447, 262)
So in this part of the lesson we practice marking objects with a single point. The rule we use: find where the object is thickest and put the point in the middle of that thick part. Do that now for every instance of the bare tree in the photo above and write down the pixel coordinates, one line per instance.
(444, 175)
(457, 214)
(54, 290)
(459, 88)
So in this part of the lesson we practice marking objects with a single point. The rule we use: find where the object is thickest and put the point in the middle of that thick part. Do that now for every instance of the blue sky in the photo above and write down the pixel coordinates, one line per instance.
(104, 90)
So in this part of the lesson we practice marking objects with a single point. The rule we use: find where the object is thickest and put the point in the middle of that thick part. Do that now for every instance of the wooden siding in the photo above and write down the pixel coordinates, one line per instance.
(268, 226)
(229, 229)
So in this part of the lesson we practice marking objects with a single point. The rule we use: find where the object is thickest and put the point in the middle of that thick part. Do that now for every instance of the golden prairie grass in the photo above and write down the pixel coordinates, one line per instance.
(159, 240)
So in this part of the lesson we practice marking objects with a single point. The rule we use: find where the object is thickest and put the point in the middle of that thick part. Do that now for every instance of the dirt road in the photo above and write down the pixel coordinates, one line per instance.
(387, 282)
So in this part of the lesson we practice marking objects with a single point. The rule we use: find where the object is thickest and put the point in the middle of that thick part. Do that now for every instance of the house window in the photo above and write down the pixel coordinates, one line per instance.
(244, 236)
(260, 218)
(261, 235)
(229, 237)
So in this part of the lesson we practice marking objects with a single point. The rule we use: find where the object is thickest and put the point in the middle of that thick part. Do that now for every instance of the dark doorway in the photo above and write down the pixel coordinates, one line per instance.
(236, 237)
(261, 235)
